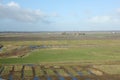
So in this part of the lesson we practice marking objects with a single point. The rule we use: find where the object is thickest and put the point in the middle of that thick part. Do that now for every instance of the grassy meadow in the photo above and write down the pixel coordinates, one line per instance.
(101, 50)
(93, 51)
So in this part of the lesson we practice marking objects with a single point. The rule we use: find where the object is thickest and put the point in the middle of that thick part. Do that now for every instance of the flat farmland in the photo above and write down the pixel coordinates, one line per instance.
(81, 53)
(101, 50)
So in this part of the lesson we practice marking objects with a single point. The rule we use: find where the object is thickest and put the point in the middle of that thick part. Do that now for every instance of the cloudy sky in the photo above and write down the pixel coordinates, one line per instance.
(59, 15)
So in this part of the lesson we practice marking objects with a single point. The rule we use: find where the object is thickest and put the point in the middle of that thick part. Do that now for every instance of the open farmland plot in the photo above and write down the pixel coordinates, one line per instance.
(45, 72)
(76, 57)
(78, 54)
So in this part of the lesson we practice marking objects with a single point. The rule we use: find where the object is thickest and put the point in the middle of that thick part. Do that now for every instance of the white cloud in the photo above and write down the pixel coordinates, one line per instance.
(118, 10)
(106, 19)
(100, 19)
(55, 14)
(13, 11)
(13, 4)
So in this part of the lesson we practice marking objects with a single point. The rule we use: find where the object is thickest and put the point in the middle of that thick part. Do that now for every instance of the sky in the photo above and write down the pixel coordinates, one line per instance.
(59, 15)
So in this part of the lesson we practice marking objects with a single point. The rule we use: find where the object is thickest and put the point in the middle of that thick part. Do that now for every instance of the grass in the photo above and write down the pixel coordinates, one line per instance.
(92, 51)
(110, 69)
(103, 53)
(61, 42)
(83, 51)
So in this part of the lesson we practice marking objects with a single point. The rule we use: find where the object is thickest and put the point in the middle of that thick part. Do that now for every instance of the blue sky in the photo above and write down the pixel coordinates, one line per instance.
(59, 15)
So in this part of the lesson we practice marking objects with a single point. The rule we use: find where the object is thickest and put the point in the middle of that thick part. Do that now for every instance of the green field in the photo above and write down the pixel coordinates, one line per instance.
(94, 51)
(77, 51)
